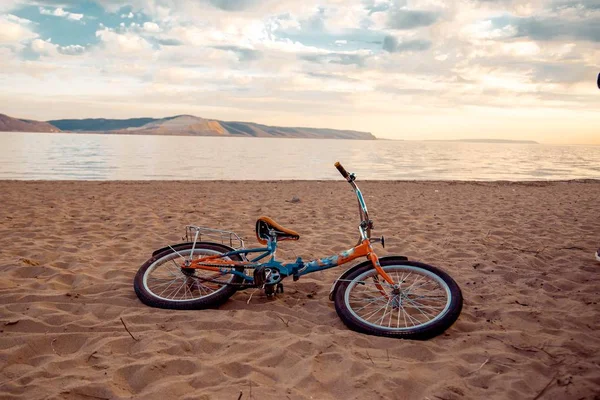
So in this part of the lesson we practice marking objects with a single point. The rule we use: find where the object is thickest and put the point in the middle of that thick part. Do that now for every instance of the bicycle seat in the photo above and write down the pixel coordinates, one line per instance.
(266, 224)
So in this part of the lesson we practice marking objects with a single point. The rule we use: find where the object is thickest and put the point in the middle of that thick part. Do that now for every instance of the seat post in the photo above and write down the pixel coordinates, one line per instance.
(272, 243)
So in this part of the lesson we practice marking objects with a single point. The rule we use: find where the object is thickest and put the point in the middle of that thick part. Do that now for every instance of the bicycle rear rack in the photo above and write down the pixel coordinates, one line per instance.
(198, 233)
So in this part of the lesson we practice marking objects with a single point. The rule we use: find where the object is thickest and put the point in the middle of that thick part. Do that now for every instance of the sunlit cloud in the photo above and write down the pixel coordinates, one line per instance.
(15, 30)
(59, 12)
(386, 66)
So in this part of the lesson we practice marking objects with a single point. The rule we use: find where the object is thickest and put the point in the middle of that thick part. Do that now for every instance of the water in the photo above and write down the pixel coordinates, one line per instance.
(28, 156)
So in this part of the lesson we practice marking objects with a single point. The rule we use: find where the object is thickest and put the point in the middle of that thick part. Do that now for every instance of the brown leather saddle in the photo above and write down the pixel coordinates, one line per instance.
(264, 227)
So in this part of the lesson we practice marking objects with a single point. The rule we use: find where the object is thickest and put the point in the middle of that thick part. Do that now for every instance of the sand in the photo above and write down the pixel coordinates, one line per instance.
(521, 252)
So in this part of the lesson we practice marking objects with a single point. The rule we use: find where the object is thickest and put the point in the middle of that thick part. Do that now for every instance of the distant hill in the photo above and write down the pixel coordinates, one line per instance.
(99, 124)
(187, 125)
(9, 124)
(195, 126)
(179, 125)
(258, 130)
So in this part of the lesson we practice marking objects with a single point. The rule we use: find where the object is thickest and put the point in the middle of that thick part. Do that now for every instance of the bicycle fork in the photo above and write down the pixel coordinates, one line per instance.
(375, 261)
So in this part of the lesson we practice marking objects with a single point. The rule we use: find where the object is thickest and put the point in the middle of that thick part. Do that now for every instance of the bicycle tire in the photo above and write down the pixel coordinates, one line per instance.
(211, 300)
(402, 305)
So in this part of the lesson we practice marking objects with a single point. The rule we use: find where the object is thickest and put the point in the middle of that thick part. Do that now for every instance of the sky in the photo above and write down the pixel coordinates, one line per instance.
(424, 69)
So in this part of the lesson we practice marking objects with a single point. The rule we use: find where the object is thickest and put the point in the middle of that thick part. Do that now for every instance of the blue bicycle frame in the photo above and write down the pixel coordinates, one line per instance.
(297, 268)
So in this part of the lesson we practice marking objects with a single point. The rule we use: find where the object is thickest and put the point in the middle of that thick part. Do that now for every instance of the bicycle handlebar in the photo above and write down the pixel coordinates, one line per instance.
(366, 224)
(342, 170)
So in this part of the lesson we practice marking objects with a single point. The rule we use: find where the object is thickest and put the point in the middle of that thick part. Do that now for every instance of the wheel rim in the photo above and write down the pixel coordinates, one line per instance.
(421, 298)
(165, 280)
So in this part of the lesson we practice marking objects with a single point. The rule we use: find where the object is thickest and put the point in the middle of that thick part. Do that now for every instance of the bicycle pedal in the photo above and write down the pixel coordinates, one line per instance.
(279, 288)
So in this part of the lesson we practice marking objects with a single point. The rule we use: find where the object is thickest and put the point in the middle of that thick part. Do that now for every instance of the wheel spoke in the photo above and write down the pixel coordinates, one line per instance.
(179, 288)
(166, 280)
(164, 285)
(375, 312)
(410, 317)
(419, 298)
(177, 266)
(416, 307)
(167, 287)
(385, 310)
(370, 302)
(408, 289)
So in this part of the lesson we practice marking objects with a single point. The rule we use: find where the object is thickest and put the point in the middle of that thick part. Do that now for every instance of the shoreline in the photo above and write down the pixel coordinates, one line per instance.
(472, 141)
(358, 181)
(111, 133)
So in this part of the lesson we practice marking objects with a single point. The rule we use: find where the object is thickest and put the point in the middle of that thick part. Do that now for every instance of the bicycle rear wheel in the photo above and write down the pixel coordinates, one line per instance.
(424, 304)
(162, 282)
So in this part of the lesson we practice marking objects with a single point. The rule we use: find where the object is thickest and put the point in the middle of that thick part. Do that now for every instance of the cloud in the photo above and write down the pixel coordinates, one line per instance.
(9, 5)
(489, 30)
(374, 6)
(60, 12)
(562, 73)
(337, 77)
(47, 48)
(177, 75)
(391, 45)
(336, 58)
(15, 30)
(551, 26)
(548, 29)
(125, 44)
(410, 19)
(577, 4)
(72, 50)
(43, 47)
(233, 5)
(243, 54)
(18, 20)
(42, 50)
(169, 42)
(151, 27)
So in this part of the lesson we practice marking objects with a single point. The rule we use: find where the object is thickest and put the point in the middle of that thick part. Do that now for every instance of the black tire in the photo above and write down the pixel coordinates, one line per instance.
(189, 282)
(350, 301)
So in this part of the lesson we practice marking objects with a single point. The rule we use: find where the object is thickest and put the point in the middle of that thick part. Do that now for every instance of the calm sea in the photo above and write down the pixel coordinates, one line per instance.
(122, 157)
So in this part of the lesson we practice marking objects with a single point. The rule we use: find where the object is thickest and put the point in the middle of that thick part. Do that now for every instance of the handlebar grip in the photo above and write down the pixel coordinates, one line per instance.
(342, 170)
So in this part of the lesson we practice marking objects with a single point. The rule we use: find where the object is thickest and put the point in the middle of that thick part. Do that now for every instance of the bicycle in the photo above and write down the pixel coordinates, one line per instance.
(388, 296)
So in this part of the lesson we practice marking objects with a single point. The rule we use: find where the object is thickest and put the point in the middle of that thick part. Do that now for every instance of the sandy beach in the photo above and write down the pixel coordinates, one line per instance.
(522, 254)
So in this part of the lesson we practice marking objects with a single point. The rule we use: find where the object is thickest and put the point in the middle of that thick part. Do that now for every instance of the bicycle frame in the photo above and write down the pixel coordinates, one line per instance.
(299, 267)
(295, 269)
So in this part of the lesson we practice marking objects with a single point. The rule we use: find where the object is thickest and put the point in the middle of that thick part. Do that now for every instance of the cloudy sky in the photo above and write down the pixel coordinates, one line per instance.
(425, 69)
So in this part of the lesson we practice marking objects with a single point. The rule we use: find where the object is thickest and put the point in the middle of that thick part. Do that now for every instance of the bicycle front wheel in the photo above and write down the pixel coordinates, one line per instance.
(162, 282)
(424, 302)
